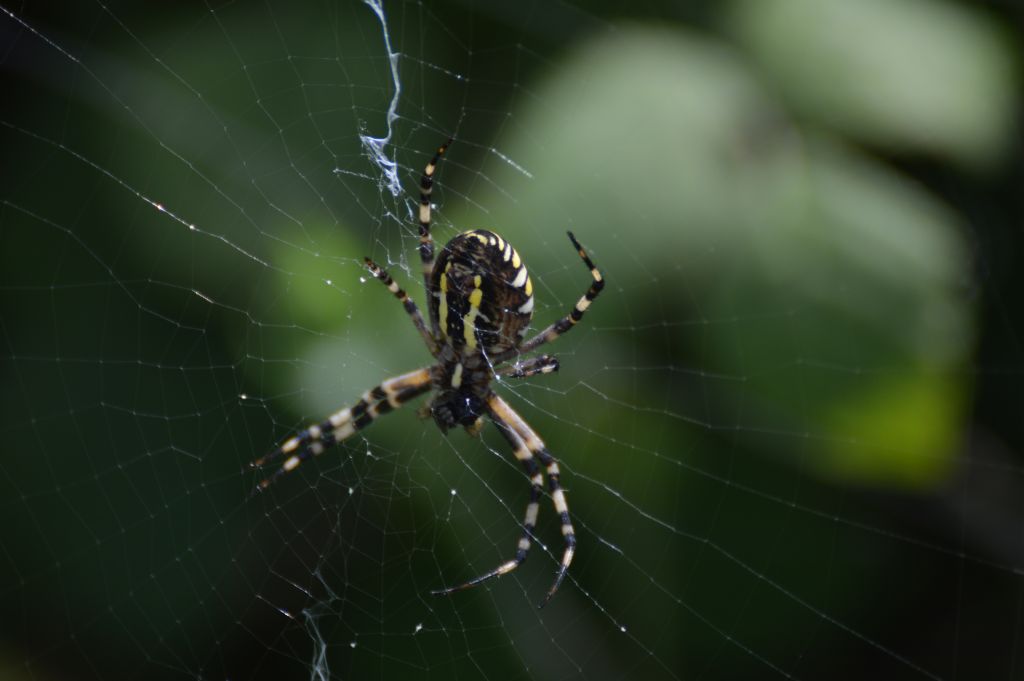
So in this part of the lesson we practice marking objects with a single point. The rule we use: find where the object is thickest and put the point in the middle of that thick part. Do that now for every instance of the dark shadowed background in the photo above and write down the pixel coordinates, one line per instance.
(790, 428)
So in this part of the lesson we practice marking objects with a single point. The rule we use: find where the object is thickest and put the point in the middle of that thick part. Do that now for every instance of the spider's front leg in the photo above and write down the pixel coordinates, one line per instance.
(528, 448)
(342, 424)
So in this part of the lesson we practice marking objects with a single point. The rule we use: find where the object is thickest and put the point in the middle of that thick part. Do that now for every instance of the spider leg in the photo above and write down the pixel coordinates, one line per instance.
(568, 321)
(523, 453)
(501, 411)
(407, 302)
(426, 240)
(527, 445)
(542, 364)
(344, 423)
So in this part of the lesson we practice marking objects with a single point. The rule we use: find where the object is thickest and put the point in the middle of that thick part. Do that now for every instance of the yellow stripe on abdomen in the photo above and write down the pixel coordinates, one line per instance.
(469, 323)
(442, 311)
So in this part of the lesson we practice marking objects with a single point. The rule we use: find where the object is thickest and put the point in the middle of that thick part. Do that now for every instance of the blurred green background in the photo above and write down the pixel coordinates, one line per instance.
(790, 427)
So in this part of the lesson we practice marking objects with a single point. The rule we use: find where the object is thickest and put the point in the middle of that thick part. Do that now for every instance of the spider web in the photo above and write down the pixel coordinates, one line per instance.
(783, 427)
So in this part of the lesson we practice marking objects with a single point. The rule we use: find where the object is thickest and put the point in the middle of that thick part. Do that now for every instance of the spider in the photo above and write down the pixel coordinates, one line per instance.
(480, 300)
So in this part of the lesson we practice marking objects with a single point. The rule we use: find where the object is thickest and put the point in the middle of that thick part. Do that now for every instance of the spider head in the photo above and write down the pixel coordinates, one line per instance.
(461, 408)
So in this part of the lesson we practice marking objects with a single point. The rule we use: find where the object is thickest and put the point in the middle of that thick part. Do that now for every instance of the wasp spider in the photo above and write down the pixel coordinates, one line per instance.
(480, 300)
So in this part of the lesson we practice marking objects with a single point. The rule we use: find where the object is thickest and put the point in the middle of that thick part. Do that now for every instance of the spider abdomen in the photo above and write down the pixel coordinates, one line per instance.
(481, 293)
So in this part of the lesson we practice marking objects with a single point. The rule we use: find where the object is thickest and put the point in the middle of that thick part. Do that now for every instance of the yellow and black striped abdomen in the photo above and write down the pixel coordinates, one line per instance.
(481, 293)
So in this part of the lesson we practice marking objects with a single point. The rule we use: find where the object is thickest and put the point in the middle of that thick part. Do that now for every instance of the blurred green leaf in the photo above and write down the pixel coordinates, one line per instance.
(903, 431)
(829, 285)
(916, 75)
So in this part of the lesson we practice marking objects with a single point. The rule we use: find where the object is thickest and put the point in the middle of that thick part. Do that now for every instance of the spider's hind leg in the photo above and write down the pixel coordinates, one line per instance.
(575, 315)
(410, 306)
(426, 240)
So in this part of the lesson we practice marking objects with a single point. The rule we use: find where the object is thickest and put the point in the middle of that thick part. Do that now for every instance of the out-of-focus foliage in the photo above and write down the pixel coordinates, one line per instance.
(915, 75)
(753, 215)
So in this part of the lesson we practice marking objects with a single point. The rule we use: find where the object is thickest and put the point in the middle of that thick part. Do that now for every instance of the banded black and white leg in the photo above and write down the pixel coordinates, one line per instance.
(408, 303)
(529, 448)
(542, 364)
(525, 456)
(426, 239)
(568, 321)
(500, 410)
(344, 423)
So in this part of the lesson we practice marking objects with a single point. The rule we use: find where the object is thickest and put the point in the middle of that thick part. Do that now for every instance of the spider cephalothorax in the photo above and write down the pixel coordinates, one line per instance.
(480, 301)
(461, 385)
